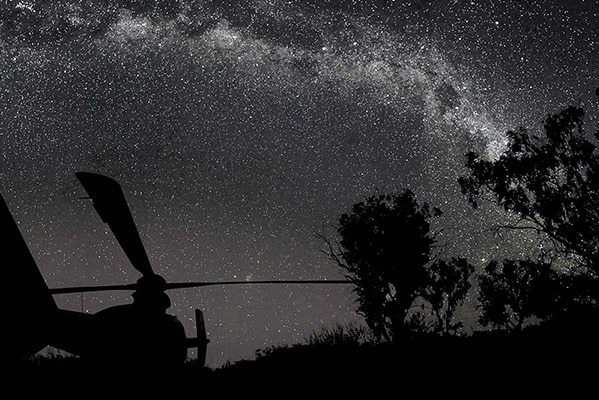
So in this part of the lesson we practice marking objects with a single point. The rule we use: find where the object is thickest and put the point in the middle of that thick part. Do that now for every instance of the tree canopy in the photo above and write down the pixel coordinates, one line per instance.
(550, 181)
(384, 249)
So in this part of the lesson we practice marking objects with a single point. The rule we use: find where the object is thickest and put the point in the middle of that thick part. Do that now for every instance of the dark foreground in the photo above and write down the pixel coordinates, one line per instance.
(489, 364)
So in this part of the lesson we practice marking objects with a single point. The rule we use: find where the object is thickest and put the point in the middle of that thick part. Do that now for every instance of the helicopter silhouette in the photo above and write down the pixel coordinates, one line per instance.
(139, 332)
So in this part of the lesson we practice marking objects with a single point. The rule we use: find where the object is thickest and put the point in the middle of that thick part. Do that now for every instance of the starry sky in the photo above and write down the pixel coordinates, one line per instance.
(240, 130)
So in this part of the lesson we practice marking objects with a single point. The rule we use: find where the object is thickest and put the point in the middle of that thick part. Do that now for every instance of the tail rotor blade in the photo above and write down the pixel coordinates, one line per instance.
(110, 203)
(202, 339)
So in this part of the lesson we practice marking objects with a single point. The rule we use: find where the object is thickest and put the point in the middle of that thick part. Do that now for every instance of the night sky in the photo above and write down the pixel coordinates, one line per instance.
(240, 130)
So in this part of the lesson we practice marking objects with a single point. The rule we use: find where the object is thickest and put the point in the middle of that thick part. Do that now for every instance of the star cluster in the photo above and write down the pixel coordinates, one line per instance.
(240, 130)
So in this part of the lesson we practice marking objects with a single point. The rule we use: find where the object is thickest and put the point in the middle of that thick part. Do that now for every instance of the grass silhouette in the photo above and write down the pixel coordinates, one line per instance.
(344, 359)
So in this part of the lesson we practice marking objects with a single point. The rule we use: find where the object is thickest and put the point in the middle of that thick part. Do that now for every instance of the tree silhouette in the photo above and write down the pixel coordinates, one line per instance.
(448, 285)
(515, 292)
(551, 182)
(385, 247)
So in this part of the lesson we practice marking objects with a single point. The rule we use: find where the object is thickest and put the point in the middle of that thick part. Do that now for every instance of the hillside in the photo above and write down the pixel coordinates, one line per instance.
(489, 362)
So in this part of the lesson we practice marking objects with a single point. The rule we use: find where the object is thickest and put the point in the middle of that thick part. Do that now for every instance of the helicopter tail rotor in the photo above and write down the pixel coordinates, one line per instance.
(200, 342)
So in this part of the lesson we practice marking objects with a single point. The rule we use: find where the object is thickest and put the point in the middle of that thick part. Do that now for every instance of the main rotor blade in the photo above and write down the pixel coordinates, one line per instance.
(110, 203)
(187, 285)
(99, 288)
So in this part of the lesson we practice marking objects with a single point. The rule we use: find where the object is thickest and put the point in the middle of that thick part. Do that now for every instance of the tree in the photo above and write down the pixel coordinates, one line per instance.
(516, 292)
(551, 182)
(448, 285)
(384, 249)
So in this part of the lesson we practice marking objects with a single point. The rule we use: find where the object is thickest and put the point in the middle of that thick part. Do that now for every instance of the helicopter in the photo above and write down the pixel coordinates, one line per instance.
(140, 332)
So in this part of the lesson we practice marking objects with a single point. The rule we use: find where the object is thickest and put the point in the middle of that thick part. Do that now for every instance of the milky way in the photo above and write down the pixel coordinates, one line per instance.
(239, 132)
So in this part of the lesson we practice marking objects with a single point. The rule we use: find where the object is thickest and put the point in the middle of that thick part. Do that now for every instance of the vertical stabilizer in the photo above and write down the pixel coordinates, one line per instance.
(25, 298)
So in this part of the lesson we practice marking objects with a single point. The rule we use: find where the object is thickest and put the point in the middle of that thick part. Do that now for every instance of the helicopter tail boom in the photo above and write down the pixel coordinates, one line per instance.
(27, 301)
